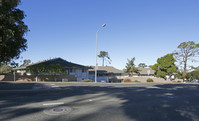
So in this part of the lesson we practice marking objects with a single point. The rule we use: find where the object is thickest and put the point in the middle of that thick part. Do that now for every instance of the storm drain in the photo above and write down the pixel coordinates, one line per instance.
(59, 110)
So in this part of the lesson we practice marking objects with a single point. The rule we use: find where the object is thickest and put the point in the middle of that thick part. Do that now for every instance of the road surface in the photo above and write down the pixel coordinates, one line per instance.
(98, 102)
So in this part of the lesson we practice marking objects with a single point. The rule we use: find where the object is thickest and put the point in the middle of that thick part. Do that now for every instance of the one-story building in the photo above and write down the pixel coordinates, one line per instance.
(146, 72)
(106, 74)
(79, 71)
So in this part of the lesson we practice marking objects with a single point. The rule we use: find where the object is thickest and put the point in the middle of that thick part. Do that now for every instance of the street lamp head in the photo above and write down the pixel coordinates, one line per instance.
(103, 25)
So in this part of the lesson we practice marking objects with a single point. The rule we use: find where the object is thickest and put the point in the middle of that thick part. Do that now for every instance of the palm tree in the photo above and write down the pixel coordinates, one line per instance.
(130, 67)
(104, 55)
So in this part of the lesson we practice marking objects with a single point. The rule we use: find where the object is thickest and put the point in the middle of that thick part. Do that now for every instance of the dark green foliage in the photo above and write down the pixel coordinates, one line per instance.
(37, 69)
(161, 74)
(12, 30)
(165, 66)
(136, 81)
(14, 64)
(149, 80)
(142, 65)
(194, 75)
(64, 80)
(53, 69)
(26, 62)
(179, 81)
(179, 75)
(5, 69)
(104, 55)
(127, 81)
(130, 67)
(56, 69)
(87, 80)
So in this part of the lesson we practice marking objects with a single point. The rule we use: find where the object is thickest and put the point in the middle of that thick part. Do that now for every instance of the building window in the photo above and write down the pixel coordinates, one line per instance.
(83, 70)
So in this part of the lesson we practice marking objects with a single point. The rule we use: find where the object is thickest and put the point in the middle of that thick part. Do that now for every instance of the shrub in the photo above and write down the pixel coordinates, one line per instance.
(161, 74)
(136, 81)
(179, 81)
(87, 80)
(127, 81)
(149, 80)
(64, 80)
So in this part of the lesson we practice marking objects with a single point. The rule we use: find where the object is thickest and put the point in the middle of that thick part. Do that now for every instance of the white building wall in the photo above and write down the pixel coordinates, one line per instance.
(79, 74)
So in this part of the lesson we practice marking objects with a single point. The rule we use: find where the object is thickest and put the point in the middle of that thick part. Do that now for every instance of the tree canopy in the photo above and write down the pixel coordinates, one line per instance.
(194, 75)
(56, 69)
(130, 67)
(165, 66)
(12, 30)
(37, 69)
(104, 55)
(142, 65)
(186, 51)
(4, 69)
(53, 69)
(26, 62)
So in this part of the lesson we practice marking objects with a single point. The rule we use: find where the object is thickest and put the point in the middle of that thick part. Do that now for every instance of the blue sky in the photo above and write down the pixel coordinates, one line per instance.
(144, 29)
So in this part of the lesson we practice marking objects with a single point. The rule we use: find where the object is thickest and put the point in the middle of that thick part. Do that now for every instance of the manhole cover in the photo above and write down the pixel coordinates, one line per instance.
(60, 110)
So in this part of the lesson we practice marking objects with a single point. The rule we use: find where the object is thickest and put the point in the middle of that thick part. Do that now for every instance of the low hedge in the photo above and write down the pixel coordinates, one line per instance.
(149, 80)
(127, 81)
(87, 80)
(136, 81)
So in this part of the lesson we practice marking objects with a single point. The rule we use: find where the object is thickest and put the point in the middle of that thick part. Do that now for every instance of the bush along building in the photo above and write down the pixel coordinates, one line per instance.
(56, 67)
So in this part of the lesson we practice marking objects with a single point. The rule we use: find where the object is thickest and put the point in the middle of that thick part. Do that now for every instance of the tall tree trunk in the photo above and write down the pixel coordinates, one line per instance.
(185, 67)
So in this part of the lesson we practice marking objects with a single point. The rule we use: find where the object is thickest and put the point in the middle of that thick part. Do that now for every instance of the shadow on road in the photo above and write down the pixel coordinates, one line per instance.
(168, 102)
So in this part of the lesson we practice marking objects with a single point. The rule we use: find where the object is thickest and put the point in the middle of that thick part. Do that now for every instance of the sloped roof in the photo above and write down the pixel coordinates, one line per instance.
(107, 69)
(146, 70)
(60, 61)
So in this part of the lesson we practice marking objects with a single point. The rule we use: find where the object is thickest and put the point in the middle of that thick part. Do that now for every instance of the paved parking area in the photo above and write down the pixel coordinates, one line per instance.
(99, 102)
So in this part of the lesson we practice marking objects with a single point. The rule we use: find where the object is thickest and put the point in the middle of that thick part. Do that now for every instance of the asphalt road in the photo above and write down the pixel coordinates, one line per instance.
(98, 102)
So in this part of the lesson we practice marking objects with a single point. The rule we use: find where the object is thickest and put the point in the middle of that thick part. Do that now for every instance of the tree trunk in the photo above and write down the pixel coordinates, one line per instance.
(131, 73)
(185, 67)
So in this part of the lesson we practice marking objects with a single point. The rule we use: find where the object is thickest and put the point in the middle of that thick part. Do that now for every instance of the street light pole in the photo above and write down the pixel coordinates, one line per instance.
(96, 64)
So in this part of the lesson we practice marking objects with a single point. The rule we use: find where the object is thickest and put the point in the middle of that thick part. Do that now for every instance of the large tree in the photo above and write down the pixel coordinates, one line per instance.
(37, 70)
(142, 65)
(56, 69)
(4, 69)
(165, 66)
(12, 30)
(104, 55)
(26, 62)
(186, 51)
(130, 67)
(194, 75)
(53, 69)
